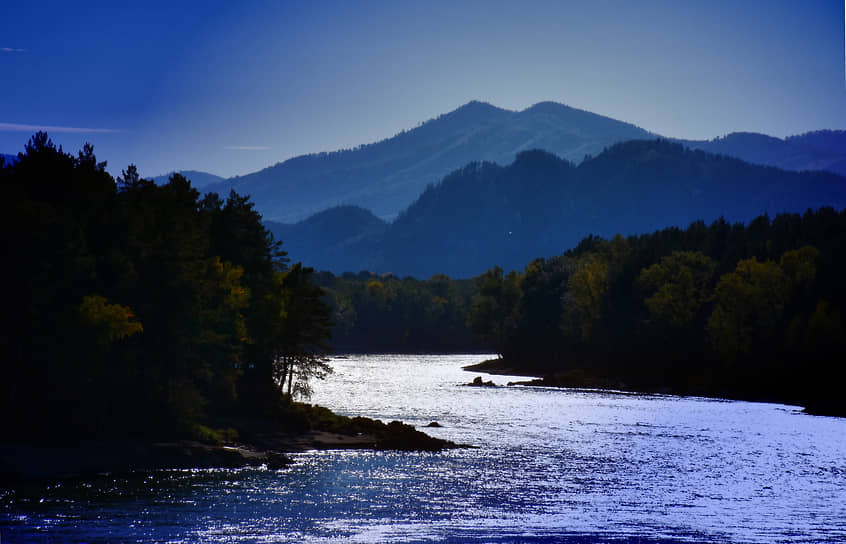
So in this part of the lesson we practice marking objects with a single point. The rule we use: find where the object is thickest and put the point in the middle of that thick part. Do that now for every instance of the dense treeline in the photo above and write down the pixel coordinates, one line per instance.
(134, 309)
(749, 311)
(392, 315)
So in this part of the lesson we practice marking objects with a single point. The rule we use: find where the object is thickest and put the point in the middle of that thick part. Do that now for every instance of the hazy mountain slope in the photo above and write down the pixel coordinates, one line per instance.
(341, 238)
(483, 213)
(822, 150)
(199, 180)
(833, 141)
(540, 205)
(387, 176)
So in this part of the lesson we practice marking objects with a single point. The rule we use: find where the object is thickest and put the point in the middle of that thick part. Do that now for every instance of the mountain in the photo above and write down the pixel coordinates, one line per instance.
(199, 180)
(833, 141)
(541, 205)
(341, 238)
(387, 176)
(821, 150)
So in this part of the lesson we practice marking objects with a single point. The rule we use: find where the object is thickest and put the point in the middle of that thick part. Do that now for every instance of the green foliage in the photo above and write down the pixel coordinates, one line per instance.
(304, 333)
(749, 307)
(583, 304)
(680, 284)
(750, 311)
(318, 417)
(112, 322)
(392, 315)
(492, 316)
(800, 267)
(821, 332)
(208, 435)
(97, 258)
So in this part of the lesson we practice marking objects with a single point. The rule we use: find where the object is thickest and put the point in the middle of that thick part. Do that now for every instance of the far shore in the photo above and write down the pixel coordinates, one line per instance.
(586, 381)
(501, 367)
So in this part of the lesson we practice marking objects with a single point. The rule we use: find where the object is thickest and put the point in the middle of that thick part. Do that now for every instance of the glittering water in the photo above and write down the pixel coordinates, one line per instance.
(551, 466)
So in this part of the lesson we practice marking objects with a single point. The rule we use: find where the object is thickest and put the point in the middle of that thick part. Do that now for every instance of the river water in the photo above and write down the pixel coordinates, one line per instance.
(550, 466)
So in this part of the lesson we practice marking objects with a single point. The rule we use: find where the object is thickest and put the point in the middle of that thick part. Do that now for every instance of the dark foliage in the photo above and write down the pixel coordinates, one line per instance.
(750, 311)
(138, 309)
(387, 314)
(198, 179)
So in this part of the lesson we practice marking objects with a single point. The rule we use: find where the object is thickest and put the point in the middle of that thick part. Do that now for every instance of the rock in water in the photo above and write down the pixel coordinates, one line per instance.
(477, 382)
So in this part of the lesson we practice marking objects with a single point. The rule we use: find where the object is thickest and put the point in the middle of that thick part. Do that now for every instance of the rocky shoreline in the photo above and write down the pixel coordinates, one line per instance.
(501, 367)
(262, 445)
(540, 378)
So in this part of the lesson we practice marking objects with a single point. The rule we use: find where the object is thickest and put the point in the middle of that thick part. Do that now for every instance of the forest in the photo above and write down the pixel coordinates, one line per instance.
(387, 314)
(142, 310)
(137, 309)
(748, 311)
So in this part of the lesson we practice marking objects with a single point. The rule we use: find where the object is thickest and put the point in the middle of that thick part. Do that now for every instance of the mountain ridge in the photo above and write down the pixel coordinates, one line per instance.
(540, 205)
(342, 235)
(817, 150)
(386, 176)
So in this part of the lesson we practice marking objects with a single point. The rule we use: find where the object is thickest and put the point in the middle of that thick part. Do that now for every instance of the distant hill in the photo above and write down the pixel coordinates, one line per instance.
(541, 205)
(387, 176)
(833, 141)
(199, 180)
(821, 150)
(8, 158)
(339, 238)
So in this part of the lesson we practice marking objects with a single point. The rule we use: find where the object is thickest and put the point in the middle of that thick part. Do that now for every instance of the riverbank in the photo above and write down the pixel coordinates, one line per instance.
(540, 377)
(258, 442)
(580, 379)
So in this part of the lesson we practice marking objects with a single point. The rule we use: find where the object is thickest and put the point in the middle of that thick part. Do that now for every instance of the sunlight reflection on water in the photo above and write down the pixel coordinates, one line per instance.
(551, 466)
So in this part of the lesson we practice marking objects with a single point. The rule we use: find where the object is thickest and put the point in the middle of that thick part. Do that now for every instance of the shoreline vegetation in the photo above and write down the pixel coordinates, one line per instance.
(740, 311)
(247, 443)
(150, 326)
(581, 380)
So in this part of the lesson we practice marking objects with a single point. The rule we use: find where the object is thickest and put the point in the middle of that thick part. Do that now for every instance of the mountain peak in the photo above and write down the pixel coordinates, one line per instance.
(745, 135)
(388, 175)
(346, 214)
(479, 105)
(547, 106)
(475, 111)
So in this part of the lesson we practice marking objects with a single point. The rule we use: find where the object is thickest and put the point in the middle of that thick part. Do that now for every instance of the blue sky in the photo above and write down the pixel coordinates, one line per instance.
(232, 87)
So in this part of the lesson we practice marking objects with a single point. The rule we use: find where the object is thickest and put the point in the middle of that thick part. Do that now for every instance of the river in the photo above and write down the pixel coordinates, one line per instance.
(550, 466)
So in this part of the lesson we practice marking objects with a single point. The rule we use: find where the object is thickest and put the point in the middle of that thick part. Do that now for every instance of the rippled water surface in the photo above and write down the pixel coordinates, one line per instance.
(551, 466)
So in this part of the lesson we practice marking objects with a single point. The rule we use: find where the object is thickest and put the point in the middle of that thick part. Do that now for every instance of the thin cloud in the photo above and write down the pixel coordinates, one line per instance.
(247, 147)
(12, 50)
(14, 127)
